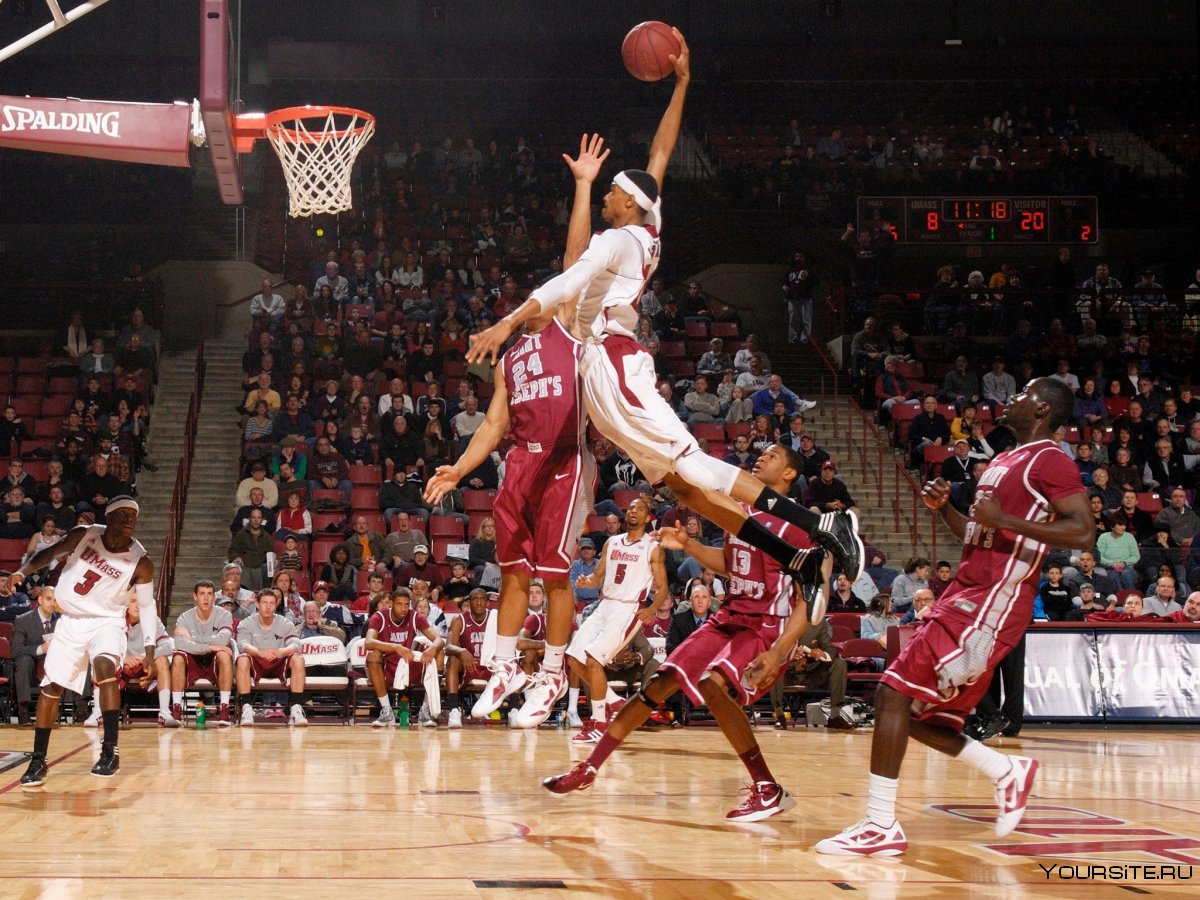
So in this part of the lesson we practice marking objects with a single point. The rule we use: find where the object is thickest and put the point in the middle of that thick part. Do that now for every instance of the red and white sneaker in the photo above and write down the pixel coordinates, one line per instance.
(177, 712)
(1012, 793)
(591, 732)
(544, 690)
(507, 678)
(166, 720)
(223, 719)
(579, 778)
(865, 838)
(764, 799)
(615, 707)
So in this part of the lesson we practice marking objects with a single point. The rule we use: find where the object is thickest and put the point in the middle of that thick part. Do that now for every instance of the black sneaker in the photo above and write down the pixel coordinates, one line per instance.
(806, 568)
(109, 762)
(36, 773)
(839, 535)
(993, 727)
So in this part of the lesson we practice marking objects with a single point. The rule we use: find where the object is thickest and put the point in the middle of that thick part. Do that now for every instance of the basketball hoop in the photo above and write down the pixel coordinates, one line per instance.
(317, 146)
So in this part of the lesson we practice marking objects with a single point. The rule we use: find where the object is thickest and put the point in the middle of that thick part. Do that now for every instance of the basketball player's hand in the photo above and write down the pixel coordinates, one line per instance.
(428, 656)
(672, 537)
(645, 614)
(14, 582)
(682, 62)
(586, 581)
(487, 344)
(936, 493)
(760, 670)
(587, 166)
(987, 512)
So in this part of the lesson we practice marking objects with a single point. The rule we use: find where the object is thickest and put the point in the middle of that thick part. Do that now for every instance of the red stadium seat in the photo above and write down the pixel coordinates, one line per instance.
(1125, 594)
(28, 406)
(862, 648)
(696, 329)
(841, 634)
(478, 500)
(57, 404)
(325, 494)
(1148, 502)
(46, 428)
(725, 330)
(673, 349)
(852, 621)
(31, 384)
(12, 548)
(33, 364)
(681, 368)
(709, 431)
(37, 469)
(363, 499)
(446, 527)
(624, 496)
(934, 457)
(897, 637)
(321, 548)
(594, 523)
(366, 476)
(733, 429)
(441, 546)
(475, 519)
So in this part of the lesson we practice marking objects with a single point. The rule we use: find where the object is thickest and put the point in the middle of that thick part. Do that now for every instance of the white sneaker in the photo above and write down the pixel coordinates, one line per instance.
(1012, 793)
(424, 719)
(507, 678)
(803, 406)
(545, 690)
(454, 720)
(385, 719)
(247, 714)
(166, 720)
(296, 717)
(93, 721)
(573, 720)
(865, 838)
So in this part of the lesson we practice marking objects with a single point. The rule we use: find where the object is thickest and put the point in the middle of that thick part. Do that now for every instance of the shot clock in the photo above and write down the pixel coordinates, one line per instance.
(983, 220)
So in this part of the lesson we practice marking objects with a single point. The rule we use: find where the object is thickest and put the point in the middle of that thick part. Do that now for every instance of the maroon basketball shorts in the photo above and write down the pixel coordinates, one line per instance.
(726, 643)
(935, 668)
(129, 675)
(268, 668)
(392, 661)
(200, 666)
(542, 507)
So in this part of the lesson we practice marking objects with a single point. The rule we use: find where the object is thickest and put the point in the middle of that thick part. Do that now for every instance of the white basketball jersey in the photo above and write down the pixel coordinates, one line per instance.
(626, 258)
(95, 582)
(628, 577)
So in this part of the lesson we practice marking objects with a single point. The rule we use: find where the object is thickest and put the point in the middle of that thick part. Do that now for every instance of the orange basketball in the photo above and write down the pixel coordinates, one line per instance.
(646, 49)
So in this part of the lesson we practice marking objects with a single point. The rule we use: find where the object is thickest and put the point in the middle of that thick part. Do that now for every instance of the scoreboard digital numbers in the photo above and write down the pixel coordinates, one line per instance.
(983, 220)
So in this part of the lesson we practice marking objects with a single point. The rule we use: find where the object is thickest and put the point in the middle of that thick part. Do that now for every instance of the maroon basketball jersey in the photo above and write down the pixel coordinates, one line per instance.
(472, 634)
(656, 627)
(757, 582)
(535, 626)
(541, 373)
(402, 632)
(999, 571)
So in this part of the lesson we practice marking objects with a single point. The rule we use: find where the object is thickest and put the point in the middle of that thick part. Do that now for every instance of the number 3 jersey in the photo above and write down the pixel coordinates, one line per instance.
(541, 372)
(94, 581)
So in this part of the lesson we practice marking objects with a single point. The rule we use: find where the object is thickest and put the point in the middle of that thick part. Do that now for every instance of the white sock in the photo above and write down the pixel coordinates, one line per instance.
(572, 700)
(177, 698)
(991, 763)
(881, 800)
(225, 697)
(599, 710)
(506, 647)
(164, 701)
(247, 706)
(611, 697)
(553, 660)
(385, 703)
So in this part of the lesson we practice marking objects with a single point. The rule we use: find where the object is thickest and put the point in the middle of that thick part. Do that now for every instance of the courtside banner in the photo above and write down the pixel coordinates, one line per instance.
(1150, 674)
(1062, 675)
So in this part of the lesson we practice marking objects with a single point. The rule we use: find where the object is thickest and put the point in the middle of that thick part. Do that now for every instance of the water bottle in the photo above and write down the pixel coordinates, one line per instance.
(201, 716)
(403, 712)
(561, 722)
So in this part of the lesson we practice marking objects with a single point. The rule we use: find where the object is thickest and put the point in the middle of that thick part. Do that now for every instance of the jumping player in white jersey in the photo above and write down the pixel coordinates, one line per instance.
(100, 564)
(619, 384)
(632, 566)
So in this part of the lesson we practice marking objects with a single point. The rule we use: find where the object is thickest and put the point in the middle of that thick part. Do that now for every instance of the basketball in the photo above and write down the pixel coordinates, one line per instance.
(646, 51)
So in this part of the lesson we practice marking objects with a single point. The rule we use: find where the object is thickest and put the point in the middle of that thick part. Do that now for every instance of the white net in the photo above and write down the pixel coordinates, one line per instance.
(317, 148)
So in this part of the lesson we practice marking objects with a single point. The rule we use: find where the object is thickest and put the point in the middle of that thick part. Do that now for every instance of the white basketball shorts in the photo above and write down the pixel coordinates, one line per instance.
(75, 643)
(605, 632)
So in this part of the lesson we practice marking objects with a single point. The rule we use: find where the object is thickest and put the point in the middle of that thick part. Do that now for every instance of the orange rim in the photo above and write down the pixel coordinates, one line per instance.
(252, 126)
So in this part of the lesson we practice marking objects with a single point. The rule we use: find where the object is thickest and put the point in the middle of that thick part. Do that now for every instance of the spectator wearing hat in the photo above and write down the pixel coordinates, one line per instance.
(420, 569)
(334, 613)
(258, 479)
(1087, 602)
(958, 468)
(828, 493)
(582, 567)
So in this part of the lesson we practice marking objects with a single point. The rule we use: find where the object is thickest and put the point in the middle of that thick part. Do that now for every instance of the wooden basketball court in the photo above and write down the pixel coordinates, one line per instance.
(325, 811)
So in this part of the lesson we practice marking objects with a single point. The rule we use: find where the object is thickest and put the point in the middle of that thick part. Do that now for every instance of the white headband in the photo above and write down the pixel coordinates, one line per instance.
(653, 208)
(122, 503)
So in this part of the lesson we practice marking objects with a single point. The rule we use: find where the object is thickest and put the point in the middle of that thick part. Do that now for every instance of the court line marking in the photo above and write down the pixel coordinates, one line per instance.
(8, 787)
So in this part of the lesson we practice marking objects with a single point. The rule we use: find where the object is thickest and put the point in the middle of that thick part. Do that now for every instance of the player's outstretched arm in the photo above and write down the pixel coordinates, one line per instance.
(485, 439)
(676, 538)
(47, 555)
(672, 121)
(143, 590)
(662, 589)
(586, 169)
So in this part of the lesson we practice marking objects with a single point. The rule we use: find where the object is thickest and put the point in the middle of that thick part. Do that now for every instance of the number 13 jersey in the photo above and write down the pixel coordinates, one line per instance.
(94, 580)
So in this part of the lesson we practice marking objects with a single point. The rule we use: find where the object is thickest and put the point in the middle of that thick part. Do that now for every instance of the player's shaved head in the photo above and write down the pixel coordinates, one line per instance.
(1060, 399)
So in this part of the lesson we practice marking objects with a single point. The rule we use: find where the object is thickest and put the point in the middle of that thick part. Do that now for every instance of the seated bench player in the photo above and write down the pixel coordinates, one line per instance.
(270, 648)
(531, 639)
(136, 668)
(390, 636)
(203, 649)
(465, 651)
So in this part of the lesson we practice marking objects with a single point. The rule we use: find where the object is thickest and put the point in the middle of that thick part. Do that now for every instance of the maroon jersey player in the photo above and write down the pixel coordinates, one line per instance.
(389, 643)
(1029, 499)
(711, 664)
(467, 633)
(549, 484)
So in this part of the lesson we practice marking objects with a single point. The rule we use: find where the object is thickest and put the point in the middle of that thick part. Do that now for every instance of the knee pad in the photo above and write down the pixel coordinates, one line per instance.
(98, 682)
(46, 693)
(639, 694)
(707, 472)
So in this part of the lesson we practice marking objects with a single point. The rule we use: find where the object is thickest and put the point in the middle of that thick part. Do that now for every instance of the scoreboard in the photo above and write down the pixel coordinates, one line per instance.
(983, 220)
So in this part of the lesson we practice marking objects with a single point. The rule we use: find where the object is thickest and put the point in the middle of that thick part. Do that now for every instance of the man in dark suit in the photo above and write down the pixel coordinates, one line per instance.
(31, 640)
(684, 623)
(817, 666)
